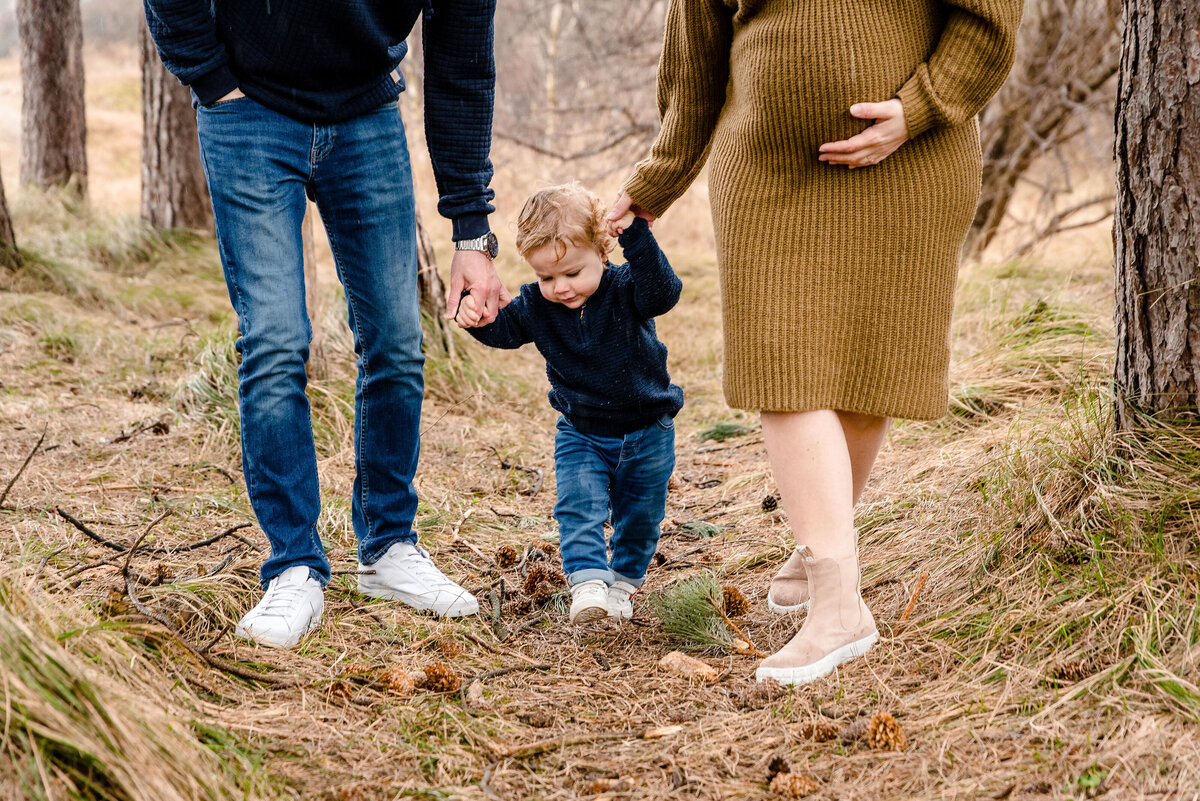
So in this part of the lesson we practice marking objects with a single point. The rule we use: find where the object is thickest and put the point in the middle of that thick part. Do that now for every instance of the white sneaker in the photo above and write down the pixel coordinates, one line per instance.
(589, 601)
(406, 573)
(290, 608)
(620, 600)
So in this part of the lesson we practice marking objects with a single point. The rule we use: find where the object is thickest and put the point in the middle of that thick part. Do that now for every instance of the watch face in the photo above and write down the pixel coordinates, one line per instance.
(493, 245)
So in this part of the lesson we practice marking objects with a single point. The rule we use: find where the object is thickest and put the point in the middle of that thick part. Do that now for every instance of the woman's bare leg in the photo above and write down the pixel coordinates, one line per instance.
(821, 461)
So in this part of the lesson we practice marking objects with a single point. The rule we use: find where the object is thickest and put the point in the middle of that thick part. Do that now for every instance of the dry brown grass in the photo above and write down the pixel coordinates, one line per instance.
(1052, 652)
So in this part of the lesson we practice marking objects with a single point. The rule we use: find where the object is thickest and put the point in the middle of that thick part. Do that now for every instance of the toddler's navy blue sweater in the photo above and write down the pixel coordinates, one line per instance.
(606, 365)
(322, 62)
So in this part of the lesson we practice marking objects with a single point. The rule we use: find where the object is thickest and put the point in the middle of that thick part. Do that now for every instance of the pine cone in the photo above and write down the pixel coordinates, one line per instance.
(793, 785)
(356, 669)
(339, 691)
(1071, 672)
(540, 574)
(448, 647)
(537, 718)
(761, 693)
(548, 548)
(441, 678)
(854, 731)
(397, 682)
(506, 556)
(885, 734)
(520, 605)
(770, 503)
(776, 766)
(822, 731)
(734, 602)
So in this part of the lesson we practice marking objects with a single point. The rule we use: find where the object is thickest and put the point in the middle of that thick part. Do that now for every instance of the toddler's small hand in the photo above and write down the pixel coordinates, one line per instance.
(617, 227)
(467, 315)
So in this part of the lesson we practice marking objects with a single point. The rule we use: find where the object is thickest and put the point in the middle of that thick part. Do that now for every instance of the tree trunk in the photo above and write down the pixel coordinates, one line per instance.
(433, 294)
(10, 257)
(174, 194)
(1157, 228)
(53, 130)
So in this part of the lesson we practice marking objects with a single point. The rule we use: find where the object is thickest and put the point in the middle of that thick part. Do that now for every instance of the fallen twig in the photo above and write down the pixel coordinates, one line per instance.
(564, 740)
(496, 649)
(131, 591)
(484, 783)
(491, 674)
(534, 471)
(28, 459)
(913, 601)
(117, 546)
(750, 647)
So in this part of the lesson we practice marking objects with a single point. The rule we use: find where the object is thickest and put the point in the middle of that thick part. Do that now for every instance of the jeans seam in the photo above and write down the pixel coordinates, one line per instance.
(360, 418)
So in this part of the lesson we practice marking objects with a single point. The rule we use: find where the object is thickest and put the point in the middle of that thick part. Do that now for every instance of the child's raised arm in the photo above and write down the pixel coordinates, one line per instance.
(508, 330)
(656, 288)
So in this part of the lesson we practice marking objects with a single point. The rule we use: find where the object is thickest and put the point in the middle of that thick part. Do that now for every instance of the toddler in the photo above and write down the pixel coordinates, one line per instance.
(594, 324)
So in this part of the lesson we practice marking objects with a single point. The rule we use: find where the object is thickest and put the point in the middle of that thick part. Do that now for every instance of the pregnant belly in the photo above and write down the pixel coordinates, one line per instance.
(796, 67)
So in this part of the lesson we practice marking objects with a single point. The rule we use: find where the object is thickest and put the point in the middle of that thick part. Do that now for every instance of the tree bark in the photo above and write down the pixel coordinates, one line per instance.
(174, 194)
(10, 257)
(53, 129)
(1157, 228)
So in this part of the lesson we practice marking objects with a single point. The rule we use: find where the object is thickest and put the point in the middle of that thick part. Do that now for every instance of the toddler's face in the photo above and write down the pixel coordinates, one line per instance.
(569, 280)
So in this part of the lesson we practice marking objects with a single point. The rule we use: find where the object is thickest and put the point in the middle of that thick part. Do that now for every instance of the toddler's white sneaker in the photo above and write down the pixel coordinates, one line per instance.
(589, 601)
(620, 600)
(290, 608)
(406, 573)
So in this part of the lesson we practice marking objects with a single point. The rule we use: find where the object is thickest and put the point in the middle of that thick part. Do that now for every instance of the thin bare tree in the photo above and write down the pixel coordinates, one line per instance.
(10, 257)
(1157, 230)
(1067, 56)
(53, 128)
(174, 194)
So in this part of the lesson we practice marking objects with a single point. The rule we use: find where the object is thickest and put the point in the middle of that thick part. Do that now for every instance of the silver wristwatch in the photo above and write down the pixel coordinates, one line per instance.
(485, 244)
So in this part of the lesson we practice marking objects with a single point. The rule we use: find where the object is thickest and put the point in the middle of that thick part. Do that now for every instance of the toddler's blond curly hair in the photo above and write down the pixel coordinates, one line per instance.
(563, 215)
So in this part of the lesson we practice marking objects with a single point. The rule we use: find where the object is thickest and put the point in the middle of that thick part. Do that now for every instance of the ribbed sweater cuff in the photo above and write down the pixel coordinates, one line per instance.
(920, 112)
(653, 197)
(470, 226)
(212, 86)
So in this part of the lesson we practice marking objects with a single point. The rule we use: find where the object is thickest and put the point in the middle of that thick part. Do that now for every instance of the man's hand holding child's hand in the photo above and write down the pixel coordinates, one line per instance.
(468, 315)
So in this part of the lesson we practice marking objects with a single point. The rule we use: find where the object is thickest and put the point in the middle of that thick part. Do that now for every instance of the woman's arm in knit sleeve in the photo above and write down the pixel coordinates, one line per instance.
(656, 288)
(692, 74)
(508, 331)
(967, 67)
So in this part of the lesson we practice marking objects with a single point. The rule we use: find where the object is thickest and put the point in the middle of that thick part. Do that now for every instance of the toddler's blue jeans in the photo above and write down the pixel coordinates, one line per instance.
(624, 478)
(260, 165)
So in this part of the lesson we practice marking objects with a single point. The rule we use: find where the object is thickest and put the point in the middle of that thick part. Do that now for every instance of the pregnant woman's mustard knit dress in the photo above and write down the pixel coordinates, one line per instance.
(837, 284)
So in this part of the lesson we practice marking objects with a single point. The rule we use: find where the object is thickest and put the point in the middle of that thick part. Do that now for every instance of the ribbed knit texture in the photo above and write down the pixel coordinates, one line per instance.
(837, 285)
(606, 364)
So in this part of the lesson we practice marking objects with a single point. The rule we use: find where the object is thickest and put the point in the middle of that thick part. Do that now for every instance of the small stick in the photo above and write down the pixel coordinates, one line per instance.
(491, 674)
(711, 448)
(534, 471)
(916, 595)
(497, 626)
(216, 639)
(750, 643)
(564, 740)
(530, 623)
(116, 546)
(484, 783)
(28, 459)
(498, 650)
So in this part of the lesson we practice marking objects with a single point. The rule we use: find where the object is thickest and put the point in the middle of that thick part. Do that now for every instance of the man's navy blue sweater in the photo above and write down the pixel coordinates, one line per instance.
(606, 365)
(323, 62)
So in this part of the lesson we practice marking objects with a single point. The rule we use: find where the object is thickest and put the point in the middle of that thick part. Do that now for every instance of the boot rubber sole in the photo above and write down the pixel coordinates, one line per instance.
(781, 609)
(805, 674)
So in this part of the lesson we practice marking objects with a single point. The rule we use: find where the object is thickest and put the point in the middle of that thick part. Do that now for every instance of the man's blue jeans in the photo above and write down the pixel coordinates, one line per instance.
(260, 166)
(625, 477)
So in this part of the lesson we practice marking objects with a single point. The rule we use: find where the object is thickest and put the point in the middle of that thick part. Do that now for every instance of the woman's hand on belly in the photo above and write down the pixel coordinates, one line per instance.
(875, 143)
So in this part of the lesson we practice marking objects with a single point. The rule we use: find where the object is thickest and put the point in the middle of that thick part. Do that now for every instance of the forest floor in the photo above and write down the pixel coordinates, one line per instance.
(1034, 576)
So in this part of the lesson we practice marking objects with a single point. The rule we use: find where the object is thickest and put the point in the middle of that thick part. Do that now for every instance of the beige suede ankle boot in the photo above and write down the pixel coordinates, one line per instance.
(838, 628)
(789, 587)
